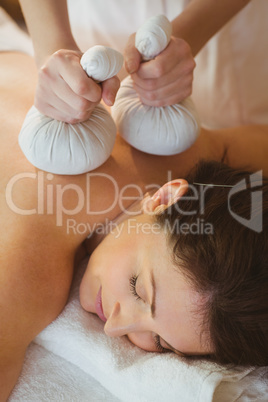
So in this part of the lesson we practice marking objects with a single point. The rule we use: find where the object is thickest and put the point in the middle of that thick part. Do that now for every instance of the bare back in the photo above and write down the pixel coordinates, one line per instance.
(45, 217)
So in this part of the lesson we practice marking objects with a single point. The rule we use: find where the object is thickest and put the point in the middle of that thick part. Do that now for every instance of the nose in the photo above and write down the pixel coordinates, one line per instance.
(122, 322)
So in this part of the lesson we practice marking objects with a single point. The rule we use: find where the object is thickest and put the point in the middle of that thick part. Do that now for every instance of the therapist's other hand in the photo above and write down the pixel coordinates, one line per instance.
(165, 80)
(65, 92)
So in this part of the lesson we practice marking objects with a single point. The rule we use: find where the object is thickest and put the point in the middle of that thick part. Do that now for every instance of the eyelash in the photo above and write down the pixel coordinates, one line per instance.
(132, 283)
(158, 345)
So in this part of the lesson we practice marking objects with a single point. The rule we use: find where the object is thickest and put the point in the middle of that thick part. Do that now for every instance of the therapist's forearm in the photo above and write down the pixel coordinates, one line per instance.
(49, 27)
(202, 19)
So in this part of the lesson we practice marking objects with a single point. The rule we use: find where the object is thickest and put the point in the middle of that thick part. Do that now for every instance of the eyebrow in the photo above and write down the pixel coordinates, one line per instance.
(153, 315)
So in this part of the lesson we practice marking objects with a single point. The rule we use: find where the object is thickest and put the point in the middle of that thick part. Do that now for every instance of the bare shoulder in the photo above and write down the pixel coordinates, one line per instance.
(246, 147)
(36, 273)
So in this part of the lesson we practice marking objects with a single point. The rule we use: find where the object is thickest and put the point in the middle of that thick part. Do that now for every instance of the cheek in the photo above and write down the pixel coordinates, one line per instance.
(114, 273)
(144, 340)
(88, 289)
(105, 269)
(114, 281)
(86, 295)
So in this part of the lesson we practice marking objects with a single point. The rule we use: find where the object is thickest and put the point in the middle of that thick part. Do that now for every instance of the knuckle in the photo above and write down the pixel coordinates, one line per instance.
(81, 116)
(57, 57)
(63, 56)
(191, 64)
(82, 105)
(59, 54)
(43, 73)
(187, 69)
(81, 88)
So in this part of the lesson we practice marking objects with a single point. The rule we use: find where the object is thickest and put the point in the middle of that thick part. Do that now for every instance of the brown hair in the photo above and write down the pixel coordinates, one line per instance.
(229, 263)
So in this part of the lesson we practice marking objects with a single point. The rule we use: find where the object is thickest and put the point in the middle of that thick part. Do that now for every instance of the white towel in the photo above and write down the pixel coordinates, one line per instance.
(131, 374)
(47, 377)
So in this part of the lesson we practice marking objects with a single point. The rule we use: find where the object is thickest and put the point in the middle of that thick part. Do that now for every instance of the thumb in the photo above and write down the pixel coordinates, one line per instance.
(109, 90)
(132, 56)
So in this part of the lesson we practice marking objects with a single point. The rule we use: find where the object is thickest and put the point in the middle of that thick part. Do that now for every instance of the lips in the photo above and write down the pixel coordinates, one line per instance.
(98, 306)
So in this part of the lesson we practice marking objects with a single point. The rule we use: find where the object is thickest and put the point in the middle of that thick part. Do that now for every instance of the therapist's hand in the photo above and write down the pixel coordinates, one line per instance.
(65, 92)
(165, 80)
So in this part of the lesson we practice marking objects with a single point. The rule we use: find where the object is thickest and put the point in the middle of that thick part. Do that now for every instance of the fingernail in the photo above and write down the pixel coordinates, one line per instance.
(131, 66)
(110, 100)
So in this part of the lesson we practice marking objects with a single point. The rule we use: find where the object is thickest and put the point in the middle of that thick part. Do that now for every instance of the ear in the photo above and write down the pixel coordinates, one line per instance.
(167, 195)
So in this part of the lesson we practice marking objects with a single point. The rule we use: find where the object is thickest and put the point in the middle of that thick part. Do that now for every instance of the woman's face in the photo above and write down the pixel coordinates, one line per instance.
(134, 287)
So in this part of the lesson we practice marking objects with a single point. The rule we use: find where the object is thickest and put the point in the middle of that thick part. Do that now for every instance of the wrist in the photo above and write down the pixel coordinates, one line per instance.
(43, 54)
(202, 19)
(182, 28)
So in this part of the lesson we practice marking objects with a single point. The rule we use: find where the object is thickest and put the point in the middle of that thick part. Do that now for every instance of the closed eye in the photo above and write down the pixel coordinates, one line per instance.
(132, 283)
(158, 345)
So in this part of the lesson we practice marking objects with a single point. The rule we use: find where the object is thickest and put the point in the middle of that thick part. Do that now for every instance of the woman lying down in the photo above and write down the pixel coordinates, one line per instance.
(187, 273)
